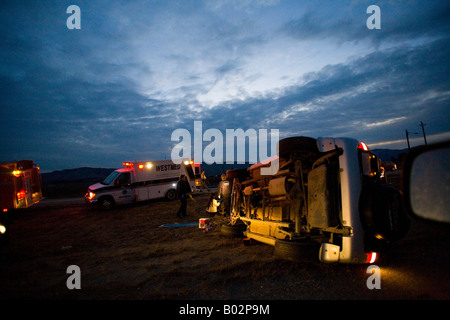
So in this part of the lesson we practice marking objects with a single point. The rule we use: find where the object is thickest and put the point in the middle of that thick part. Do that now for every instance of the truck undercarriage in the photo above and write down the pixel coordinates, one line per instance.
(301, 205)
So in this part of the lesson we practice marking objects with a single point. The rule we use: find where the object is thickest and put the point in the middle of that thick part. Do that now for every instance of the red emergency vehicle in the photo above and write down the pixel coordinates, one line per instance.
(20, 185)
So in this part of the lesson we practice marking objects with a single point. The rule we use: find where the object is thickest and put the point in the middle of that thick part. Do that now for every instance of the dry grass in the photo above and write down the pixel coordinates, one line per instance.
(124, 254)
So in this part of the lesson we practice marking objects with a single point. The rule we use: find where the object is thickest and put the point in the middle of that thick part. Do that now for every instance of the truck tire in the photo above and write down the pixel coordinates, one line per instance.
(236, 231)
(296, 251)
(382, 212)
(106, 203)
(240, 174)
(297, 145)
(171, 195)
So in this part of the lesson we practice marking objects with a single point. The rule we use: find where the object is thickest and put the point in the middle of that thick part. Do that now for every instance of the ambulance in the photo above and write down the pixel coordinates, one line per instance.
(140, 181)
(20, 185)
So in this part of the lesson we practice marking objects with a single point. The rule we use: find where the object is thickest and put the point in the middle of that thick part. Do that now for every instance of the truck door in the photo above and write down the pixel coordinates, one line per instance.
(124, 191)
(28, 190)
(190, 175)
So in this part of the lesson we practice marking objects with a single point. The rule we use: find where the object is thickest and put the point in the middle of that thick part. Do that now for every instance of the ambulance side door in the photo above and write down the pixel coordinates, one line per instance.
(124, 190)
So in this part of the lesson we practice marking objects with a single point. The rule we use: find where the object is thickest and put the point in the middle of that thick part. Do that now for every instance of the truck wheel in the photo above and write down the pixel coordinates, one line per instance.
(296, 251)
(382, 212)
(236, 231)
(171, 195)
(298, 145)
(106, 203)
(240, 174)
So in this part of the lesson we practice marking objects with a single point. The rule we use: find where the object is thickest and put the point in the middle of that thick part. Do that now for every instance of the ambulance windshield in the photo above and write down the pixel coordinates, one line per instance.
(109, 179)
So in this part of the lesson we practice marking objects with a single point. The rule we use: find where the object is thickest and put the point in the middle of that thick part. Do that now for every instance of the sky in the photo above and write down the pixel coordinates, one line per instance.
(135, 71)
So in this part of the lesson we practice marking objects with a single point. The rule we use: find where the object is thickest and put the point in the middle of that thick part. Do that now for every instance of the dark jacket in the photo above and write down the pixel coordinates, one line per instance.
(183, 188)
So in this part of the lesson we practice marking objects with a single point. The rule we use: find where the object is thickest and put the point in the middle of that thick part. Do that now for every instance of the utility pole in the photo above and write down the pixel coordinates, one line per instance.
(423, 131)
(407, 139)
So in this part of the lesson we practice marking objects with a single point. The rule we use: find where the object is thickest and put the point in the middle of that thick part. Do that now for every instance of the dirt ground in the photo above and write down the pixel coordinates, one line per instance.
(125, 254)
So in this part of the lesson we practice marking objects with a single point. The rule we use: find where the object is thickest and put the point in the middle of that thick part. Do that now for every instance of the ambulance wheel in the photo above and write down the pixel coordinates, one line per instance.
(106, 203)
(171, 195)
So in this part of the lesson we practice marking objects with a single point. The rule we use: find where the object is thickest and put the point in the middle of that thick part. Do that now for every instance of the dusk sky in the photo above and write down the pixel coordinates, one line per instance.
(116, 89)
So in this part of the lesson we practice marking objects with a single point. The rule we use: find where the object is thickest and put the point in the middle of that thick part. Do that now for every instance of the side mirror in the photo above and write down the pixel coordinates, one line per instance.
(426, 177)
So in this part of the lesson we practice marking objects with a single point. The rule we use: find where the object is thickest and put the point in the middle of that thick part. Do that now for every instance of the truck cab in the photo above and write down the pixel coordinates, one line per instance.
(327, 200)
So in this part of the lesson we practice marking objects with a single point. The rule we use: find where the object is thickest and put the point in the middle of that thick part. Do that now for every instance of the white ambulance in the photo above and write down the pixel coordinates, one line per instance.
(140, 181)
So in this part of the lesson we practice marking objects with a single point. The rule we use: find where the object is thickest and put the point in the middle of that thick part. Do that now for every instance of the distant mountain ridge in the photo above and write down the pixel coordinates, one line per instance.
(77, 174)
(93, 175)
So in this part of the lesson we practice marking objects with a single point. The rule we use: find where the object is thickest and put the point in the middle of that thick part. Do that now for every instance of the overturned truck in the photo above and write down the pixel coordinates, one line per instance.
(326, 200)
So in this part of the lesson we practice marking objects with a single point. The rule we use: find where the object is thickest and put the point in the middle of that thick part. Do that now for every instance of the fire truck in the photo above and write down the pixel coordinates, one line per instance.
(141, 181)
(20, 185)
(327, 201)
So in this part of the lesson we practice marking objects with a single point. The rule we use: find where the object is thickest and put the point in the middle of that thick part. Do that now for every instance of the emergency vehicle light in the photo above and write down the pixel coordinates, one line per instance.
(17, 173)
(141, 166)
(149, 165)
(90, 195)
(371, 257)
(5, 210)
(2, 229)
(363, 146)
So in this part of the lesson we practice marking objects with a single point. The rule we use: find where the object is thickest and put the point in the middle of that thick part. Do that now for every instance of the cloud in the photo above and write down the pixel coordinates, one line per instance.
(346, 21)
(381, 90)
(135, 72)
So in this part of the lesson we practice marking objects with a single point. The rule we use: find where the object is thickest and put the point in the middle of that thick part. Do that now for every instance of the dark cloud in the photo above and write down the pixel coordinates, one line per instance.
(118, 88)
(346, 21)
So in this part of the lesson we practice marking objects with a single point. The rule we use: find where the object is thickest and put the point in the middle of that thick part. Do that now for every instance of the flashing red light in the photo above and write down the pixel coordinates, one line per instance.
(141, 166)
(363, 146)
(21, 194)
(371, 257)
(5, 210)
(192, 162)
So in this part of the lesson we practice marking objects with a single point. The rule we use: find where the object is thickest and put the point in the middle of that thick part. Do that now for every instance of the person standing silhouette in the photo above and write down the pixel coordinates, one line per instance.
(183, 188)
